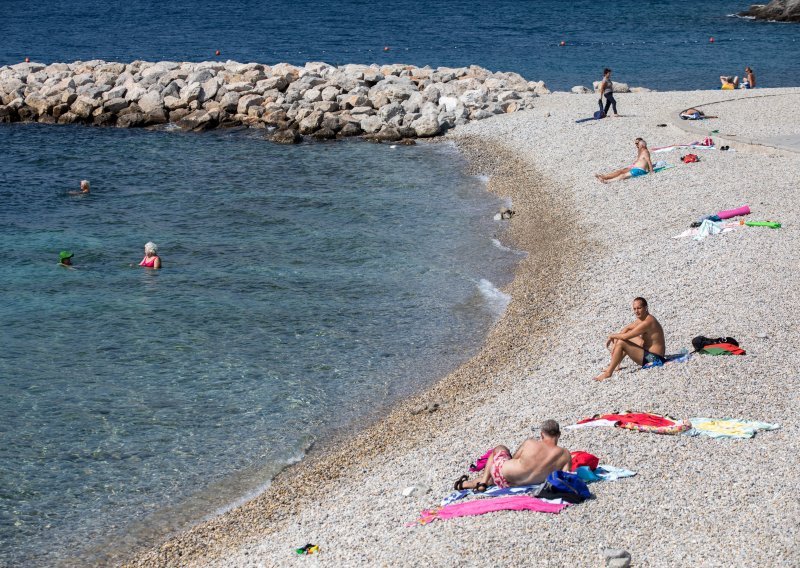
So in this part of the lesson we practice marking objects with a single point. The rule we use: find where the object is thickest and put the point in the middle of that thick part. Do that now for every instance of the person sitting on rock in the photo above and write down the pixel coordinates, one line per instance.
(641, 166)
(531, 463)
(642, 341)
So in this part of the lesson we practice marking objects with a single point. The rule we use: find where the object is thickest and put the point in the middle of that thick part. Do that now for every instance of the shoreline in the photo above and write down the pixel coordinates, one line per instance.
(538, 359)
(404, 424)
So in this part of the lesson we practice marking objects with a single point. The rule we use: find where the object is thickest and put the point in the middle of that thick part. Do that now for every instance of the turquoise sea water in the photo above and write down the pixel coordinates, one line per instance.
(303, 288)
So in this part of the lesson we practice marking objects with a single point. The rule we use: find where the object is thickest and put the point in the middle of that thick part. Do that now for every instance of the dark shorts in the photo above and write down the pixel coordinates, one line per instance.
(652, 359)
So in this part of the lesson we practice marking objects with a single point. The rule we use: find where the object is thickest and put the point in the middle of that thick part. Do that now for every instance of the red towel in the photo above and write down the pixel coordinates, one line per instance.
(580, 458)
(640, 418)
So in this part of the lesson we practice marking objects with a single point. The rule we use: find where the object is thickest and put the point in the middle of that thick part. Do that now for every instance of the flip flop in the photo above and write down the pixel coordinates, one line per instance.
(459, 484)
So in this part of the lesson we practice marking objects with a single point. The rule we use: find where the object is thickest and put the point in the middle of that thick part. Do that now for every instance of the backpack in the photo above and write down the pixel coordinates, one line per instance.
(689, 158)
(566, 486)
(701, 341)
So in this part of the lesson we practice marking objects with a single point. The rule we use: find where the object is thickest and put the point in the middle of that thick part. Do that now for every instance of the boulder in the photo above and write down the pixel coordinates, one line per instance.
(68, 118)
(105, 119)
(580, 90)
(353, 101)
(172, 103)
(371, 124)
(115, 92)
(156, 116)
(229, 102)
(618, 87)
(38, 104)
(349, 129)
(286, 136)
(199, 120)
(27, 68)
(200, 76)
(474, 98)
(391, 111)
(131, 120)
(387, 134)
(312, 95)
(324, 134)
(134, 93)
(247, 101)
(192, 92)
(326, 106)
(8, 114)
(211, 87)
(311, 122)
(151, 101)
(115, 105)
(448, 104)
(83, 106)
(426, 126)
(394, 89)
(177, 114)
(776, 10)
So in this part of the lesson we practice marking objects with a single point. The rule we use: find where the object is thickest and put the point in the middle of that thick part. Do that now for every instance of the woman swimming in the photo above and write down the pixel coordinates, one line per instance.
(151, 259)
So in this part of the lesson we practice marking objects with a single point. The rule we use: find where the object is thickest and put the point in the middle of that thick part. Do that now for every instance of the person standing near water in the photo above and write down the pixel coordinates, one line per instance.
(606, 90)
(151, 259)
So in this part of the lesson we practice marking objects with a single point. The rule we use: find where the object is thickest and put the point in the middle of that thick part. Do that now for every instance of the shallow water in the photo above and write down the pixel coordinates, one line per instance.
(302, 287)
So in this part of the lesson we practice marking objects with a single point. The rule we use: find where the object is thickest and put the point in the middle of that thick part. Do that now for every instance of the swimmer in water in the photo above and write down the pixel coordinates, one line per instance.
(84, 188)
(65, 259)
(151, 259)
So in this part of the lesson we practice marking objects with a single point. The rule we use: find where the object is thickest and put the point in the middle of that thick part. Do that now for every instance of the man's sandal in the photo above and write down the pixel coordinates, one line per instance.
(459, 484)
(481, 487)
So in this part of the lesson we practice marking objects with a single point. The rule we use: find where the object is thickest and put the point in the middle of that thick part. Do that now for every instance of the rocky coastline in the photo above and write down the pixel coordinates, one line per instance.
(775, 11)
(385, 103)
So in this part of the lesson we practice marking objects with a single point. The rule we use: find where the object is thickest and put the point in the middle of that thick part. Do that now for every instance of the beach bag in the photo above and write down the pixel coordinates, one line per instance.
(566, 486)
(689, 158)
(702, 341)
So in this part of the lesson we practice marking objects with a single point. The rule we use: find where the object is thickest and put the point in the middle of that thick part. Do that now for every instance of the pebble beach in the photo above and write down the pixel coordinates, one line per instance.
(591, 248)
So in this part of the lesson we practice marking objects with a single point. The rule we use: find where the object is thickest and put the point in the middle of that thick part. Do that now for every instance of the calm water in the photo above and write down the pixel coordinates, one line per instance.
(662, 45)
(302, 287)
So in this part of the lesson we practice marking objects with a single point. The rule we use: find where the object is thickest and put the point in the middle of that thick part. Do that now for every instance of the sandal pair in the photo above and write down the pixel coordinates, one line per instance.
(459, 485)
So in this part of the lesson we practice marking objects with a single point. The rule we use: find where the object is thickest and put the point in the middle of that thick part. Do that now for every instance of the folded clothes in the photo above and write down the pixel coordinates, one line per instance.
(728, 427)
(681, 357)
(472, 508)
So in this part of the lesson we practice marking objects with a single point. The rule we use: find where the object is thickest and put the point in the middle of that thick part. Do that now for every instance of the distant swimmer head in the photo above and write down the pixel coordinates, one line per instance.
(150, 248)
(84, 186)
(65, 257)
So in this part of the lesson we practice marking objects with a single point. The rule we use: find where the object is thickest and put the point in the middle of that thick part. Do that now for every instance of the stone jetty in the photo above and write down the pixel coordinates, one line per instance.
(386, 102)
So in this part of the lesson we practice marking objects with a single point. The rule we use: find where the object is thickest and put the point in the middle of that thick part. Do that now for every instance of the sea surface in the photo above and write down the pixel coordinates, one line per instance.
(663, 45)
(304, 288)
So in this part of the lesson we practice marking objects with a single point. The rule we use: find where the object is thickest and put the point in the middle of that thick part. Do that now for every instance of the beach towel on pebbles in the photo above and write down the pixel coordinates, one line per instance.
(472, 508)
(639, 421)
(601, 473)
(728, 427)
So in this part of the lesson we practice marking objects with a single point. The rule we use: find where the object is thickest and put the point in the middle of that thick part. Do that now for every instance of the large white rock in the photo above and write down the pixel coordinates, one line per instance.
(580, 90)
(371, 124)
(134, 93)
(449, 104)
(426, 125)
(247, 101)
(151, 101)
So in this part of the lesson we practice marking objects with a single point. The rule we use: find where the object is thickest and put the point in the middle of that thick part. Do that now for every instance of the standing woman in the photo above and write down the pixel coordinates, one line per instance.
(151, 259)
(607, 89)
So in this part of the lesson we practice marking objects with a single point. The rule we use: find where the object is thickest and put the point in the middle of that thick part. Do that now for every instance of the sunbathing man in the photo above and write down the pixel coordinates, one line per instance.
(642, 166)
(642, 341)
(531, 463)
(729, 83)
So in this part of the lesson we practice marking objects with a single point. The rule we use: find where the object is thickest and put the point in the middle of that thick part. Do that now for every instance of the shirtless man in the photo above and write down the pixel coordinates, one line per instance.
(84, 188)
(531, 463)
(642, 341)
(642, 166)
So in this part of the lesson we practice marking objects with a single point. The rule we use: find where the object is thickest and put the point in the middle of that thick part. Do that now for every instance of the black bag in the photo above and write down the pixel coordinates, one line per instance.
(701, 341)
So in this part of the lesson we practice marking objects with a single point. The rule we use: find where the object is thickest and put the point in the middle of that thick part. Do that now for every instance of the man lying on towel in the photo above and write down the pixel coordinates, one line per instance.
(531, 463)
(642, 341)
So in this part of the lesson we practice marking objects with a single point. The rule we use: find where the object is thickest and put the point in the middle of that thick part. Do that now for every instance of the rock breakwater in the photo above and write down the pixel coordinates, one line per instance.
(388, 102)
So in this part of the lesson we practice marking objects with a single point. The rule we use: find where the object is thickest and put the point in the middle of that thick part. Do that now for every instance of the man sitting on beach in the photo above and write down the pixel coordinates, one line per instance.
(642, 341)
(642, 166)
(531, 463)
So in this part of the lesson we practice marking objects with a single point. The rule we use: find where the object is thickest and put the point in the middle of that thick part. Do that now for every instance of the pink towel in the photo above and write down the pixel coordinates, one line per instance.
(481, 463)
(481, 506)
(743, 210)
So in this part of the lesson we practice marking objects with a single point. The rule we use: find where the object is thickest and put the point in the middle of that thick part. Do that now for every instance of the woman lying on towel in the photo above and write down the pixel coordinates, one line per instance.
(694, 114)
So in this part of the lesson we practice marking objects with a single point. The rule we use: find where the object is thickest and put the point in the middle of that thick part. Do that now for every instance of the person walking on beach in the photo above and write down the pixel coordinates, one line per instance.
(531, 463)
(641, 166)
(642, 341)
(606, 90)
